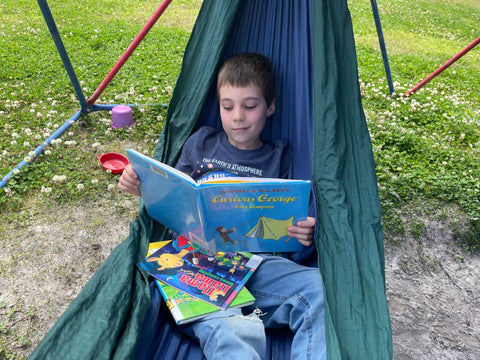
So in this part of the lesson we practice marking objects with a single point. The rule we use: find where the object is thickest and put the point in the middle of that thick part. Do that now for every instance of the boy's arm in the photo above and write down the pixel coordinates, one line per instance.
(304, 231)
(129, 181)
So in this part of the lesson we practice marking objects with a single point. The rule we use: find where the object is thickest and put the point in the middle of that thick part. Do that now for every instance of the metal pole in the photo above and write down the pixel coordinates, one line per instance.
(47, 15)
(383, 48)
(129, 51)
(444, 66)
(39, 149)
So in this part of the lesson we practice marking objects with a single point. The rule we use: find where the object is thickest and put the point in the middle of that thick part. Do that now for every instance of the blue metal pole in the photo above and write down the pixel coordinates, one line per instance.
(47, 15)
(39, 149)
(383, 48)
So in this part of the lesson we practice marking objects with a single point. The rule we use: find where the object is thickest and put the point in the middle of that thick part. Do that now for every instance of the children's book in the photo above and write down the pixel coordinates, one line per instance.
(216, 280)
(186, 308)
(229, 214)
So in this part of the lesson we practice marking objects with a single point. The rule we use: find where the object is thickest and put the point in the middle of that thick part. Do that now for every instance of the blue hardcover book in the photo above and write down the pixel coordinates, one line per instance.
(229, 214)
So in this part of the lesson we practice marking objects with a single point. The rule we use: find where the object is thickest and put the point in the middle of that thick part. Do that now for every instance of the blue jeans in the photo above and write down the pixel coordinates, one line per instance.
(287, 294)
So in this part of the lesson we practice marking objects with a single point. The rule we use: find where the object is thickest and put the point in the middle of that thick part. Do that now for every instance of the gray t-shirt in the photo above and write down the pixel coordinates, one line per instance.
(208, 154)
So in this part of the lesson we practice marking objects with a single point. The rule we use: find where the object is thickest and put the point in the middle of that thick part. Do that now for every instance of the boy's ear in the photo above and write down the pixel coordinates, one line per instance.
(271, 108)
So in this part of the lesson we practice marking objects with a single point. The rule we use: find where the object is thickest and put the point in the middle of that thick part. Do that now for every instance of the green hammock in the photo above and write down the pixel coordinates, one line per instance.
(320, 113)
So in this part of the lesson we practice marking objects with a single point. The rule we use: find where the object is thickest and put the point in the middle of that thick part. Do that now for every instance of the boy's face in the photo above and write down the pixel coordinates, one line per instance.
(243, 111)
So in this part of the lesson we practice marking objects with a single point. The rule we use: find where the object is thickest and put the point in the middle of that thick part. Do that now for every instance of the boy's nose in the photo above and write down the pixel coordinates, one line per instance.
(238, 115)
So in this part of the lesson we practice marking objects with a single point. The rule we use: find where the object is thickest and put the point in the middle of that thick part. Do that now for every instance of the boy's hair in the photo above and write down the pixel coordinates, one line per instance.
(249, 69)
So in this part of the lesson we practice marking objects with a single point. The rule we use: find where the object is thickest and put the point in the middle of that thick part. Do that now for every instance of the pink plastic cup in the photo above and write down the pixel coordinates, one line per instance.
(122, 116)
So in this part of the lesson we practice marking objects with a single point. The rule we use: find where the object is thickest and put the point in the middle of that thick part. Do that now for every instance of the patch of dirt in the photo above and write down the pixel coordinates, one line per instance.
(46, 258)
(433, 295)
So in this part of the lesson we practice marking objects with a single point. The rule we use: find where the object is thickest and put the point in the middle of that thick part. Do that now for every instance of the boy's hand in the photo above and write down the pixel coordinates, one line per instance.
(303, 232)
(129, 181)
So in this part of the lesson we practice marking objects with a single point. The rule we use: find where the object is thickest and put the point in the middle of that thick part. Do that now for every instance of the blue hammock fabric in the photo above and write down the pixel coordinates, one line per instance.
(119, 314)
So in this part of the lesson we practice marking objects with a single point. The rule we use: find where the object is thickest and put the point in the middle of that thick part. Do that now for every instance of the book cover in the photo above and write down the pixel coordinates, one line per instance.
(230, 214)
(186, 308)
(216, 280)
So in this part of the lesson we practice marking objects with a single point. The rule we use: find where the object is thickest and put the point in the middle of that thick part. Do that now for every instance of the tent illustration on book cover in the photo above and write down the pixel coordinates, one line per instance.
(261, 228)
(268, 228)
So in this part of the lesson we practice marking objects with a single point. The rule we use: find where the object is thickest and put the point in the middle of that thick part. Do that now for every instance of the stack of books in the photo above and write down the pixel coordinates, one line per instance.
(194, 284)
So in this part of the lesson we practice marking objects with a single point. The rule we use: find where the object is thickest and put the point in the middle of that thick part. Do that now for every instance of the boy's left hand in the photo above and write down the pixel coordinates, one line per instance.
(303, 232)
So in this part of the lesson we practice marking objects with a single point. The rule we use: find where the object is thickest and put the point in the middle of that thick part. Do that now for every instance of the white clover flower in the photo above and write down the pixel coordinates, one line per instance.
(9, 192)
(46, 190)
(26, 144)
(59, 178)
(80, 187)
(70, 143)
(14, 135)
(16, 171)
(47, 152)
(27, 131)
(110, 187)
(94, 181)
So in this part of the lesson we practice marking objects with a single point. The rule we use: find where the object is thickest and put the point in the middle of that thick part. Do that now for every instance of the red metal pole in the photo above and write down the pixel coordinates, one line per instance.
(129, 51)
(444, 66)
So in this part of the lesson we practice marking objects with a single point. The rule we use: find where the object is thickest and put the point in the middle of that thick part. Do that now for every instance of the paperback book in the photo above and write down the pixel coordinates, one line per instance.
(216, 280)
(186, 308)
(228, 214)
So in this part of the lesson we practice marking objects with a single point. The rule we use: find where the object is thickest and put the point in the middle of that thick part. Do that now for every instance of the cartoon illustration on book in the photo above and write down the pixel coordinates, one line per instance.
(188, 268)
(264, 228)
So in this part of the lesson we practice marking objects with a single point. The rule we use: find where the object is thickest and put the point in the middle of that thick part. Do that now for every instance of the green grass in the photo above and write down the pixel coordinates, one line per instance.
(425, 146)
(37, 96)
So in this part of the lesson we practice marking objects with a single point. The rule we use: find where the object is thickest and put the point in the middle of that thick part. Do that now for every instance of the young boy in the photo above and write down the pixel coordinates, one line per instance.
(287, 294)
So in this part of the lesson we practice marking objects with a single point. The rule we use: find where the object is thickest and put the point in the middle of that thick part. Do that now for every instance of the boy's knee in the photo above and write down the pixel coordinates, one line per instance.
(225, 333)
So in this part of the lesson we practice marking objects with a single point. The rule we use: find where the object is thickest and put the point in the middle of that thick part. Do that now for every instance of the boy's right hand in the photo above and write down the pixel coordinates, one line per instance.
(129, 181)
